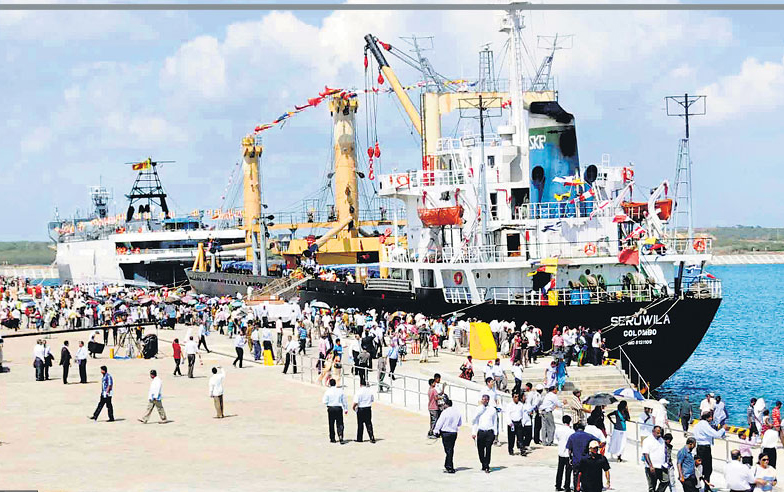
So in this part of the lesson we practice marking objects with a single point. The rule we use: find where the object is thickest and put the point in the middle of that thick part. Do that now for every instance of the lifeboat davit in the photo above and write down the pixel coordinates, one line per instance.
(636, 210)
(438, 217)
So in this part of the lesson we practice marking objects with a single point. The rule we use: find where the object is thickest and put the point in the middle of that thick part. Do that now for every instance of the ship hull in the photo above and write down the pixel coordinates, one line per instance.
(218, 284)
(658, 342)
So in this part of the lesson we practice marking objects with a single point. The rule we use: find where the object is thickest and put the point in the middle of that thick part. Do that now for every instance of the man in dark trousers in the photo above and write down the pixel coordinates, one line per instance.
(335, 401)
(591, 468)
(107, 390)
(483, 429)
(447, 426)
(81, 359)
(363, 399)
(65, 361)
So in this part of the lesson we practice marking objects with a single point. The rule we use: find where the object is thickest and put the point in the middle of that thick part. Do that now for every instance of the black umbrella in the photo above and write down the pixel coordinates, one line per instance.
(600, 399)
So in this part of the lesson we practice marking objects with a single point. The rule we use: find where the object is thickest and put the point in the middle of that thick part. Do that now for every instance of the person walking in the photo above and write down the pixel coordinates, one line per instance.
(216, 390)
(685, 414)
(564, 471)
(254, 338)
(577, 445)
(291, 355)
(204, 332)
(549, 403)
(514, 428)
(704, 433)
(155, 396)
(686, 468)
(770, 438)
(447, 426)
(432, 407)
(517, 373)
(363, 399)
(653, 453)
(107, 391)
(303, 337)
(591, 468)
(81, 360)
(335, 401)
(65, 361)
(618, 418)
(177, 355)
(239, 344)
(191, 350)
(575, 406)
(483, 430)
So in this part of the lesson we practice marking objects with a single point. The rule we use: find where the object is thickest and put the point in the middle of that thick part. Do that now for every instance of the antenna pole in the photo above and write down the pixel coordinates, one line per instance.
(684, 106)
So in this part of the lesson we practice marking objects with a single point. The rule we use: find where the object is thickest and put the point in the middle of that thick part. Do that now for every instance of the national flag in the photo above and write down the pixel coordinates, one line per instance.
(562, 196)
(140, 166)
(629, 257)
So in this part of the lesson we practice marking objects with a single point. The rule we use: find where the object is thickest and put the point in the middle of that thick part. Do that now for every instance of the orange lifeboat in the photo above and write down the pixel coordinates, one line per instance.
(438, 217)
(636, 210)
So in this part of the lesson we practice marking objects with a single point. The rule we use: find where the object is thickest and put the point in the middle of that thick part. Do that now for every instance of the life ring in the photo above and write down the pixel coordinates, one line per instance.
(590, 249)
(402, 180)
(627, 174)
(700, 244)
(458, 278)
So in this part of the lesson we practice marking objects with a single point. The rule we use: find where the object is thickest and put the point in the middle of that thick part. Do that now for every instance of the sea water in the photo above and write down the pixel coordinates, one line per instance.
(741, 355)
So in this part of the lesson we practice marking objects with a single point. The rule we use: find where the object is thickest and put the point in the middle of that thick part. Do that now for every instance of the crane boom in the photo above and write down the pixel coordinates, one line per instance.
(408, 106)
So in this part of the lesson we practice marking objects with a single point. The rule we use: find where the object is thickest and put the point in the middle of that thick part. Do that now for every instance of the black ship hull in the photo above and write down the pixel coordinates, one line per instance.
(218, 284)
(657, 342)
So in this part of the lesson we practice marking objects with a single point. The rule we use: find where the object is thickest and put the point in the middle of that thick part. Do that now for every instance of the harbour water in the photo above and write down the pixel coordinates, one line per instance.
(741, 354)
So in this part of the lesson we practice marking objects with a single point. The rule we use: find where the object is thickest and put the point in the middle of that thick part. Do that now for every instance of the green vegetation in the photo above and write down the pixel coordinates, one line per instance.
(745, 239)
(26, 253)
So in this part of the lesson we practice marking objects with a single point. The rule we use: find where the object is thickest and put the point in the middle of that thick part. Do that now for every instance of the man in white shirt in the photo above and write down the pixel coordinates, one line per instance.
(483, 430)
(447, 426)
(517, 372)
(498, 375)
(707, 404)
(704, 433)
(549, 403)
(596, 344)
(191, 350)
(535, 399)
(266, 340)
(291, 355)
(216, 390)
(363, 399)
(335, 401)
(653, 453)
(514, 414)
(646, 422)
(155, 397)
(38, 360)
(204, 332)
(738, 476)
(254, 337)
(81, 360)
(239, 347)
(564, 472)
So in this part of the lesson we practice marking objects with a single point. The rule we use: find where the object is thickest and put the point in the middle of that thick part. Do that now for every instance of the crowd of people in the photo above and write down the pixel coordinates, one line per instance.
(379, 341)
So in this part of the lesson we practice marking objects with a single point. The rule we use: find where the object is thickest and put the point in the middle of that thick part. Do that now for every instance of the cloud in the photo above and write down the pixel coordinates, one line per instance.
(198, 68)
(757, 87)
(56, 27)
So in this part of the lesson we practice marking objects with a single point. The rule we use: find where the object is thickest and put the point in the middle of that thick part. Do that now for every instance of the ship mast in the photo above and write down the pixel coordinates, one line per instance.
(513, 25)
(255, 236)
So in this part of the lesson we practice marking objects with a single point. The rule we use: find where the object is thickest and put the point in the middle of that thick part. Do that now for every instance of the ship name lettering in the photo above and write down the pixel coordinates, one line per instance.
(644, 320)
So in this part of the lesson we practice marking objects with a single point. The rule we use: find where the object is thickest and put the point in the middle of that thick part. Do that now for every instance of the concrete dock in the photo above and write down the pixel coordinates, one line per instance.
(275, 439)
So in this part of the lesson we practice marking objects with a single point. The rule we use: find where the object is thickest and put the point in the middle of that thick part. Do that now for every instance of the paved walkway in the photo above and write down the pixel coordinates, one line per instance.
(275, 439)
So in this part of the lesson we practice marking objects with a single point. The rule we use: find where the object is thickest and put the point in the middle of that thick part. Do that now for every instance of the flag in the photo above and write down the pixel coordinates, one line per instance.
(584, 196)
(601, 206)
(638, 231)
(140, 166)
(629, 257)
(621, 218)
(562, 196)
(569, 180)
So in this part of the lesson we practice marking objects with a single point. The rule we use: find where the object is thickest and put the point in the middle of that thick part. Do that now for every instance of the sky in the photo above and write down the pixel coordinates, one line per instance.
(83, 93)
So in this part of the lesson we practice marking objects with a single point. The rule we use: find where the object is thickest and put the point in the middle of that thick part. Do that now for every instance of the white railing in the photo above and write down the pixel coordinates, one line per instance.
(457, 294)
(422, 179)
(470, 140)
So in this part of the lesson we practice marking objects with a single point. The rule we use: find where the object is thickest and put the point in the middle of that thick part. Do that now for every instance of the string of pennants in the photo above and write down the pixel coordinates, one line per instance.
(347, 94)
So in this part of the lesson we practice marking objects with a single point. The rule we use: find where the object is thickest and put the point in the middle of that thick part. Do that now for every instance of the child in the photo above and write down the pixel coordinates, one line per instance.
(434, 343)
